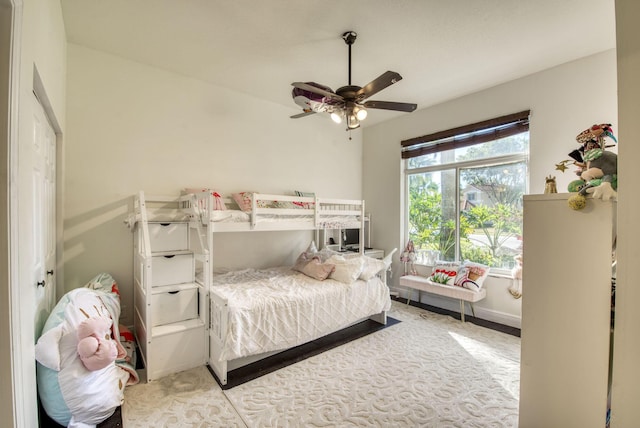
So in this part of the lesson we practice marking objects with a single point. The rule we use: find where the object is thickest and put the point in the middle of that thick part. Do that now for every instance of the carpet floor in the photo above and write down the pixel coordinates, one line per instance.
(429, 370)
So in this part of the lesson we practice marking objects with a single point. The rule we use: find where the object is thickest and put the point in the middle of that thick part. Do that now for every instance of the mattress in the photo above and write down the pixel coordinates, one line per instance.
(278, 308)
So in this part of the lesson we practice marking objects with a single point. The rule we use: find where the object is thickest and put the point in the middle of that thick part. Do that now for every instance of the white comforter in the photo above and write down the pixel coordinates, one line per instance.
(277, 308)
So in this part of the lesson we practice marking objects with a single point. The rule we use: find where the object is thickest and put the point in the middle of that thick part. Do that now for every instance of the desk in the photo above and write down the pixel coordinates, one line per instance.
(374, 253)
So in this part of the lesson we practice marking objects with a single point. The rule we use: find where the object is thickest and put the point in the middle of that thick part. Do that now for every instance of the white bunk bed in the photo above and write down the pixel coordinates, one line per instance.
(317, 308)
(170, 300)
(275, 212)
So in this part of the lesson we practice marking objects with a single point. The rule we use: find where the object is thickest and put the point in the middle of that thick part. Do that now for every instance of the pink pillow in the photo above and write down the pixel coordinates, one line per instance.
(317, 270)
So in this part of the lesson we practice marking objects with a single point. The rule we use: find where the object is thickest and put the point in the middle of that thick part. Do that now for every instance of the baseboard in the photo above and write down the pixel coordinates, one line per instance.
(453, 305)
(499, 317)
(487, 319)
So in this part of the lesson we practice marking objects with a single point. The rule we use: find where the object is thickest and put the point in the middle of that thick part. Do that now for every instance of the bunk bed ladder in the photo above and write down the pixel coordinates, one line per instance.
(142, 275)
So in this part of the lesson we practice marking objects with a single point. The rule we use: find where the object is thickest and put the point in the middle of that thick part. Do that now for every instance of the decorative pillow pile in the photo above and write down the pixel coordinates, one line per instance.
(444, 273)
(347, 270)
(370, 266)
(472, 275)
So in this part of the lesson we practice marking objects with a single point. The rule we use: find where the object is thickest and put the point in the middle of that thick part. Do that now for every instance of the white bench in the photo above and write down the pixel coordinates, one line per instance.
(463, 294)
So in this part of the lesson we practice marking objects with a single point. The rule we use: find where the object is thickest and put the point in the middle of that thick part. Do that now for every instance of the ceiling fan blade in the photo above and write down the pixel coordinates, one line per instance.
(390, 105)
(317, 90)
(387, 78)
(303, 114)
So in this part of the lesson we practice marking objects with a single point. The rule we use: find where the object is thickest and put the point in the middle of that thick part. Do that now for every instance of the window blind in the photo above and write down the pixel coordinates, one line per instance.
(467, 135)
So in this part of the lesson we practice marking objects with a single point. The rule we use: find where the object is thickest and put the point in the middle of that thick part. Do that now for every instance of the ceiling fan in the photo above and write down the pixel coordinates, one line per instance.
(348, 102)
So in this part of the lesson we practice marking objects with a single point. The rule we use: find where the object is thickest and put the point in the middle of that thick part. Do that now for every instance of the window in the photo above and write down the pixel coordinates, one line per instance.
(464, 191)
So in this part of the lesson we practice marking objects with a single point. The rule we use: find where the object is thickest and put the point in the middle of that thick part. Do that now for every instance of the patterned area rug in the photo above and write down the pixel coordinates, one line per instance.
(430, 370)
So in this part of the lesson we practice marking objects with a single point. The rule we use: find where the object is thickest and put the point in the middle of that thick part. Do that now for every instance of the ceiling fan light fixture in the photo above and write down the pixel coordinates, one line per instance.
(347, 103)
(352, 120)
(361, 113)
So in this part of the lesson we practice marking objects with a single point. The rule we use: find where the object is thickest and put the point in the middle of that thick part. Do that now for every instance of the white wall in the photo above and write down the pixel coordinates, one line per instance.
(6, 353)
(626, 371)
(133, 127)
(563, 101)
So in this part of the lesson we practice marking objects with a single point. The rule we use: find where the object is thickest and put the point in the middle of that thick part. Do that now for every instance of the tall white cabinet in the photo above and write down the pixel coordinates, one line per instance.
(566, 311)
(170, 293)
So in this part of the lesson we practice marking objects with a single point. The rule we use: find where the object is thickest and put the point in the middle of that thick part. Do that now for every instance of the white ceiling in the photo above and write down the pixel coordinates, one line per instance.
(442, 48)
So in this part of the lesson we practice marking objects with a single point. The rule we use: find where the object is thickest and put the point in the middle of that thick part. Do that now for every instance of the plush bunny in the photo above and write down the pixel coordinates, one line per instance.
(95, 346)
(516, 274)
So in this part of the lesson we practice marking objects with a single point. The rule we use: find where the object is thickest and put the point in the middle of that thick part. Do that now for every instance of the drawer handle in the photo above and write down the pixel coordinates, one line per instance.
(174, 292)
(169, 257)
(165, 224)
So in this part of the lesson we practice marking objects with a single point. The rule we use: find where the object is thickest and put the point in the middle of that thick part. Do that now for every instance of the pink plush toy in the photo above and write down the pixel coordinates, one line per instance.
(95, 346)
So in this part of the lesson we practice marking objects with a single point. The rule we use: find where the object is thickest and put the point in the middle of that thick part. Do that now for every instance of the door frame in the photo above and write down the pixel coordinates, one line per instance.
(11, 363)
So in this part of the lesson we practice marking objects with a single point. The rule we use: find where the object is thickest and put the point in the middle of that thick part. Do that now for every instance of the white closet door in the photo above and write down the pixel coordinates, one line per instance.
(36, 190)
(43, 191)
(49, 201)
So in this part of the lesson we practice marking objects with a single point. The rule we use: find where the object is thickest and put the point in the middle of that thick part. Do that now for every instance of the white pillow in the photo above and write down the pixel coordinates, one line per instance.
(371, 267)
(472, 275)
(312, 247)
(444, 273)
(347, 270)
(325, 254)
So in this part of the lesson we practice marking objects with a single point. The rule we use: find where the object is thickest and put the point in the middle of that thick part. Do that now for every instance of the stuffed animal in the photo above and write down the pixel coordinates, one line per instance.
(597, 163)
(598, 168)
(408, 257)
(96, 348)
(72, 393)
(550, 185)
(605, 164)
(516, 274)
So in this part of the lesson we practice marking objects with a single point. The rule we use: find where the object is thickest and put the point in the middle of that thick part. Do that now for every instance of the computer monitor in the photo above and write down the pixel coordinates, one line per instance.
(350, 238)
